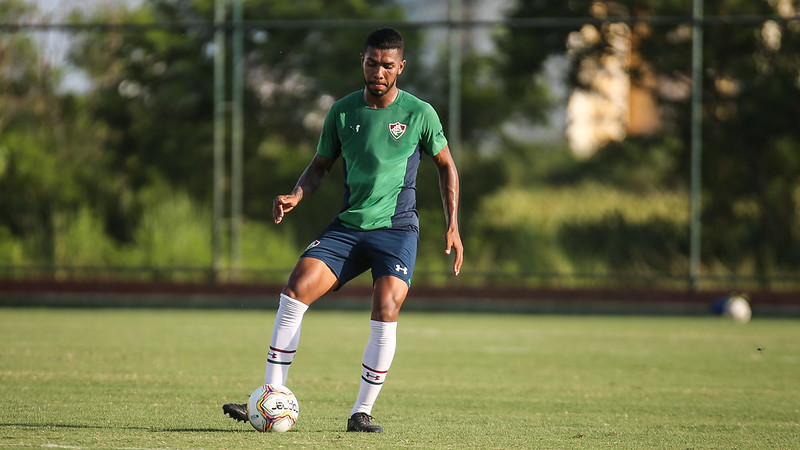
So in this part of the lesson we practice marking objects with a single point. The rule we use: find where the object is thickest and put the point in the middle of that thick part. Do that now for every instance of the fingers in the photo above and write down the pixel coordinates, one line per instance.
(459, 259)
(277, 210)
(459, 254)
(280, 206)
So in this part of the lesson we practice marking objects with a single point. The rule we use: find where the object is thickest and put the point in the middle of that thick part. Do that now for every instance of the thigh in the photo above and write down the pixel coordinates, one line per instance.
(310, 279)
(338, 247)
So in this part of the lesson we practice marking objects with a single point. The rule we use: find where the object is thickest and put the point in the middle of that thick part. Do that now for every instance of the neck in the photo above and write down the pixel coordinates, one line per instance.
(383, 101)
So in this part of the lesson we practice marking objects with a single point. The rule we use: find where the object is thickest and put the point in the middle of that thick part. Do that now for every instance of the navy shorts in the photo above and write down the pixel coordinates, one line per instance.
(349, 252)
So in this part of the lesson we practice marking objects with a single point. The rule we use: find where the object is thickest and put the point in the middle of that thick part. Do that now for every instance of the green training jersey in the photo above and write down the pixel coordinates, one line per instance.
(381, 150)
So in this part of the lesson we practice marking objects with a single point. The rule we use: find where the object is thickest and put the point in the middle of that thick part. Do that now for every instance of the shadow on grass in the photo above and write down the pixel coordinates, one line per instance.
(154, 429)
(111, 427)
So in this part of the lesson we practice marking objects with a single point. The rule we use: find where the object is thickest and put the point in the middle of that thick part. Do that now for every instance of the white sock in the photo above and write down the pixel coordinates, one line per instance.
(285, 338)
(377, 359)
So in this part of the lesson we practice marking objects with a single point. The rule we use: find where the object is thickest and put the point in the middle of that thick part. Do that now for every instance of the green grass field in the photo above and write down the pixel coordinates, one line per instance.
(157, 379)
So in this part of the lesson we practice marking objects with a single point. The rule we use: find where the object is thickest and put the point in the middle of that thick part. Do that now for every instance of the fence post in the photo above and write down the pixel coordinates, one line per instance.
(454, 94)
(237, 131)
(219, 137)
(697, 145)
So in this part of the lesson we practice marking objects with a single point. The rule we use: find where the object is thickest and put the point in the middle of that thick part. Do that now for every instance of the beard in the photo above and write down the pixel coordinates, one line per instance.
(377, 93)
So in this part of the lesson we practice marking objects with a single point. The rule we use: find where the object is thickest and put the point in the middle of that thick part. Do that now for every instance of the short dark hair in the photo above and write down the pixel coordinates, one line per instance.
(385, 39)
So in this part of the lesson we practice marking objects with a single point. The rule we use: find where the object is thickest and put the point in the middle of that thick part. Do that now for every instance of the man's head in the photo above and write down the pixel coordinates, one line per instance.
(382, 61)
(385, 39)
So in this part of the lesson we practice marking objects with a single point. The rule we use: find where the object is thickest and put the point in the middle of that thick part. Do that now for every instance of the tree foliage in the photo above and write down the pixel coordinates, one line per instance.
(750, 165)
(48, 153)
(146, 124)
(154, 93)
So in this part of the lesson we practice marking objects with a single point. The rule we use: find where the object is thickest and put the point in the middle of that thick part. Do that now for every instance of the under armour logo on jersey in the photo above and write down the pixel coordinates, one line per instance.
(397, 129)
(357, 127)
(397, 268)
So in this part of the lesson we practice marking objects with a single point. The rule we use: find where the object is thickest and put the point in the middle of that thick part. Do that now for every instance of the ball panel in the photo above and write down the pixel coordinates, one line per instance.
(272, 407)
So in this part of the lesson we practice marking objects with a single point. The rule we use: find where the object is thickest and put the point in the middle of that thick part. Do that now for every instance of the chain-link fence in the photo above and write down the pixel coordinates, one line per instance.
(599, 144)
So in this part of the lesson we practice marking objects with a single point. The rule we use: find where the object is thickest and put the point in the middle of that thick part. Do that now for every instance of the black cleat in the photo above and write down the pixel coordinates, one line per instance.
(237, 411)
(363, 422)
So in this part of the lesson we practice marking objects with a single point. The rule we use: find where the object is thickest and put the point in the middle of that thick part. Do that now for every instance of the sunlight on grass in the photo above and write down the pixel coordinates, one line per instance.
(155, 379)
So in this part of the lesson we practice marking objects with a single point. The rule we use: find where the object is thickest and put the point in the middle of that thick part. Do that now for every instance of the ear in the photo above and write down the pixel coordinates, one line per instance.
(402, 66)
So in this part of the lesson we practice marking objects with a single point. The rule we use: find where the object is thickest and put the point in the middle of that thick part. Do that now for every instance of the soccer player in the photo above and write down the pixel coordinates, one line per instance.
(381, 134)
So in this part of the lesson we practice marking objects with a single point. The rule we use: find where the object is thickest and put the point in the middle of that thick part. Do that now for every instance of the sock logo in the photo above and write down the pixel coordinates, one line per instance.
(375, 377)
(280, 356)
(372, 376)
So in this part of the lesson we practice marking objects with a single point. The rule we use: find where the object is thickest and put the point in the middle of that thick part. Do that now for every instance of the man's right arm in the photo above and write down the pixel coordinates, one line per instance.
(309, 181)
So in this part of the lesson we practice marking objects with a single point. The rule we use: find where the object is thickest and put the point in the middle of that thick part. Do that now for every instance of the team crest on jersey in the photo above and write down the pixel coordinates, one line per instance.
(397, 129)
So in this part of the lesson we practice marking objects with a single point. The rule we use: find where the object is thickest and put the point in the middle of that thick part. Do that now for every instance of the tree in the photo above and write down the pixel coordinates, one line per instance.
(47, 160)
(154, 92)
(750, 166)
(750, 141)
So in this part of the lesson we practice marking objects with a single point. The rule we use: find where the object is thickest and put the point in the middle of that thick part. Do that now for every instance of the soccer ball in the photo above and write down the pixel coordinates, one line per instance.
(738, 309)
(272, 407)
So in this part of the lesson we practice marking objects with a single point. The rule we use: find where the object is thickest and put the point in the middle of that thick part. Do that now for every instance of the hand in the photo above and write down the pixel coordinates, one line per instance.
(453, 242)
(283, 204)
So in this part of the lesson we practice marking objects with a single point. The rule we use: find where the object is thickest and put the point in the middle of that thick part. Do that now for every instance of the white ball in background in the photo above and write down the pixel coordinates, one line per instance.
(739, 310)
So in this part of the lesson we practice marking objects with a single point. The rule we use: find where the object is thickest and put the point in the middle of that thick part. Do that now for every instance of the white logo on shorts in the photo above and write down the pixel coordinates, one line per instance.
(397, 268)
(313, 244)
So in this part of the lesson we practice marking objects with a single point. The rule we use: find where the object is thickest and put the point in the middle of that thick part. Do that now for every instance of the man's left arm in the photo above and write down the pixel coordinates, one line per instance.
(449, 187)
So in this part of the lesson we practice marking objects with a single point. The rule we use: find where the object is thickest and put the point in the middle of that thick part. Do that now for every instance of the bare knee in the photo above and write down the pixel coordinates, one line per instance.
(387, 311)
(387, 299)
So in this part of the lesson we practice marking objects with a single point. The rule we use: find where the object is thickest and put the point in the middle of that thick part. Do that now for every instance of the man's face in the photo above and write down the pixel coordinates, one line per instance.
(381, 68)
